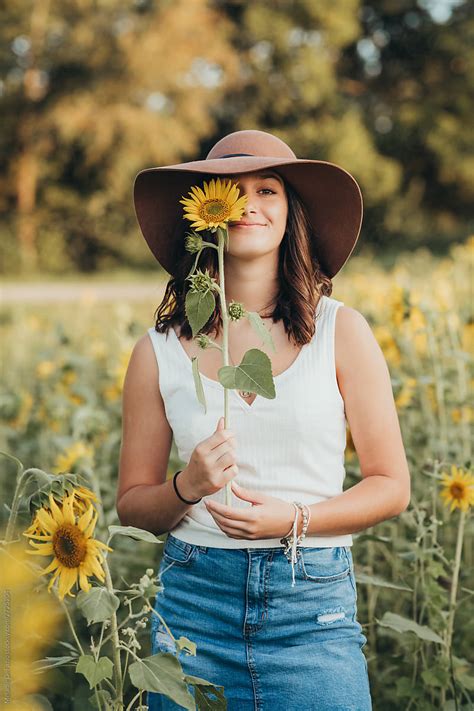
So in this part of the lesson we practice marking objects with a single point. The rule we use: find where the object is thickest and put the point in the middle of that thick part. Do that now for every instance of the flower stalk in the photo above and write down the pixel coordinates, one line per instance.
(455, 580)
(221, 235)
(115, 638)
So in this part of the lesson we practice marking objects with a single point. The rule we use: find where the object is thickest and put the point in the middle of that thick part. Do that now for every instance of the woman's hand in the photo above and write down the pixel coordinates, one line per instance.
(268, 517)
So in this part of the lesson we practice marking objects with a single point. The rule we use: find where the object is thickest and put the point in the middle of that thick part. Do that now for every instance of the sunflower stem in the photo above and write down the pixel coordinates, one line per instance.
(225, 340)
(454, 586)
(115, 638)
(22, 479)
(71, 625)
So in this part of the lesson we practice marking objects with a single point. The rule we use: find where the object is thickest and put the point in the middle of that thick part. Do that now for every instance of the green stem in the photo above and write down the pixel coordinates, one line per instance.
(115, 638)
(225, 341)
(71, 625)
(454, 586)
(22, 479)
(210, 244)
(137, 695)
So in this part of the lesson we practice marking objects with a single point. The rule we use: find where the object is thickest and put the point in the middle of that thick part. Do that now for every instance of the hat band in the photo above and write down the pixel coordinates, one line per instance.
(234, 155)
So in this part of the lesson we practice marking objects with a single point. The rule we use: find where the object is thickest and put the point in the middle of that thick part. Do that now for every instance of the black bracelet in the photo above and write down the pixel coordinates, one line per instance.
(177, 492)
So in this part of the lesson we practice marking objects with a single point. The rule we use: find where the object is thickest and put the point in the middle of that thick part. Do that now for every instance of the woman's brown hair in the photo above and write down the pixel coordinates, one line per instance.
(301, 278)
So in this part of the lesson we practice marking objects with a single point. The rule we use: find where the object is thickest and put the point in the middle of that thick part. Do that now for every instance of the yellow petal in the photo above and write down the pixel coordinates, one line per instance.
(42, 549)
(51, 582)
(83, 581)
(85, 518)
(46, 521)
(38, 536)
(55, 510)
(68, 510)
(67, 579)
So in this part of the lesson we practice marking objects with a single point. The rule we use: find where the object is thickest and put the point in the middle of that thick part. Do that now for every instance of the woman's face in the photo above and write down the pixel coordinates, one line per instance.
(261, 228)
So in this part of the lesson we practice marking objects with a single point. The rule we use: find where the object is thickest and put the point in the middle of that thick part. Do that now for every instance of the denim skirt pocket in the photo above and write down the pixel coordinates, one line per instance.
(179, 552)
(325, 565)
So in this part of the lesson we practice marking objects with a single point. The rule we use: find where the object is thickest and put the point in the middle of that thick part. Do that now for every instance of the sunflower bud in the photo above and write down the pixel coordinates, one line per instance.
(202, 282)
(203, 340)
(193, 242)
(236, 310)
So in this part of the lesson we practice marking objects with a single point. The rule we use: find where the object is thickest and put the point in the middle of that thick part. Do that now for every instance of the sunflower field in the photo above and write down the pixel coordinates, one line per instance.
(78, 588)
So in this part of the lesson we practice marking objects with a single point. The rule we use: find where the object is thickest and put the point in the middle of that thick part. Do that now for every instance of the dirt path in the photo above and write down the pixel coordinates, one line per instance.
(73, 293)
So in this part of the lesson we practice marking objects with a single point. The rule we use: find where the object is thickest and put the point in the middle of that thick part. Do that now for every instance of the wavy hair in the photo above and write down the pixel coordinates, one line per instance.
(301, 280)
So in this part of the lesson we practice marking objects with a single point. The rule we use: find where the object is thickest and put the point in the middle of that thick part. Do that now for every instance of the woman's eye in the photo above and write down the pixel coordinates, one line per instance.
(267, 190)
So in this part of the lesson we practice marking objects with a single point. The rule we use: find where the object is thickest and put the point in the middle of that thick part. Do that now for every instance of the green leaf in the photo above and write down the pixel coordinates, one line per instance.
(199, 307)
(379, 582)
(261, 330)
(435, 678)
(198, 383)
(403, 624)
(254, 374)
(105, 699)
(50, 662)
(163, 674)
(203, 690)
(185, 644)
(98, 604)
(138, 534)
(94, 671)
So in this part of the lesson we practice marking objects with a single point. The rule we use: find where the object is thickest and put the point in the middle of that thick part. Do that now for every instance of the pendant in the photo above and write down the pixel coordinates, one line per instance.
(245, 393)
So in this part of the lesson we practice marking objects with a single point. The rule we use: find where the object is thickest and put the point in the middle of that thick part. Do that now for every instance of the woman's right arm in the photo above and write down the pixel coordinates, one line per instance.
(144, 497)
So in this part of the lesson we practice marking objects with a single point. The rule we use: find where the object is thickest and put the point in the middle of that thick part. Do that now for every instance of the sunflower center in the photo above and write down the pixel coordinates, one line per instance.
(69, 544)
(214, 210)
(457, 491)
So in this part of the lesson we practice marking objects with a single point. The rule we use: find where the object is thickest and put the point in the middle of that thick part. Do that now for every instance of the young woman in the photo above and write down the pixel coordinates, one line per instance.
(277, 631)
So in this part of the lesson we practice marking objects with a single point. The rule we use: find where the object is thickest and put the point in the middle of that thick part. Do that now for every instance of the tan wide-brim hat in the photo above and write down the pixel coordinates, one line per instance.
(331, 195)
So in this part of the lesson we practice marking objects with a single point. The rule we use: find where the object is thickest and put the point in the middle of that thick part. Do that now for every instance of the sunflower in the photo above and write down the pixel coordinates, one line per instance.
(458, 488)
(214, 206)
(76, 554)
(83, 497)
(72, 456)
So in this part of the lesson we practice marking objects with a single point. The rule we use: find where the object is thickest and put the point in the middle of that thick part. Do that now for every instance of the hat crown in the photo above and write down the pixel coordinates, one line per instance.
(250, 143)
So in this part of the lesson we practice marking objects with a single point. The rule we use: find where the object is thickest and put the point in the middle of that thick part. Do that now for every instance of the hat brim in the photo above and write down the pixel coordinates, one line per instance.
(331, 195)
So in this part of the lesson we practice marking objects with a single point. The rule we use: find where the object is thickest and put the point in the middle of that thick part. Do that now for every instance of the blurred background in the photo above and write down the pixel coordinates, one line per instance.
(92, 92)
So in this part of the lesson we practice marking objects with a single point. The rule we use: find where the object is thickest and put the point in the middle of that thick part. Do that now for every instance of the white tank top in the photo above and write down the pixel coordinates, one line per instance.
(291, 447)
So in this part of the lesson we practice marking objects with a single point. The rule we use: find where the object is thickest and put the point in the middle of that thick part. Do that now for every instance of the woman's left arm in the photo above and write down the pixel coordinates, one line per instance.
(384, 491)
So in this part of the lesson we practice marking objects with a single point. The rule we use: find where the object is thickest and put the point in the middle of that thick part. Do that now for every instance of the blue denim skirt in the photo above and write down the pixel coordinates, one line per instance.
(270, 646)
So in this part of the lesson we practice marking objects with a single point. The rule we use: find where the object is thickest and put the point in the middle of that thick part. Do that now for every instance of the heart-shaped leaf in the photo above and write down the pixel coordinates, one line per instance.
(98, 604)
(94, 671)
(204, 689)
(162, 673)
(254, 374)
(199, 307)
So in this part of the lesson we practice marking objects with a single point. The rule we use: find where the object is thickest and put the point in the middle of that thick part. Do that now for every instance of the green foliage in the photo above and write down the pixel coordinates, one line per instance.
(383, 88)
(254, 373)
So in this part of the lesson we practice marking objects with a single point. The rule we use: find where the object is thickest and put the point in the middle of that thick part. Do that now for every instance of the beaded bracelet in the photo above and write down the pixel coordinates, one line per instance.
(291, 540)
(177, 492)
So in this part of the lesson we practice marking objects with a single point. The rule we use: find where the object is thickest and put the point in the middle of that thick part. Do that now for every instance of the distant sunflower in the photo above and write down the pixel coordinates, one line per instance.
(214, 206)
(458, 488)
(77, 556)
(75, 454)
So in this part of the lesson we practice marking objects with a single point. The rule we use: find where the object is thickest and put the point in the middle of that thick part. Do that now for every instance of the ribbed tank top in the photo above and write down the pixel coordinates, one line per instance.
(291, 447)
